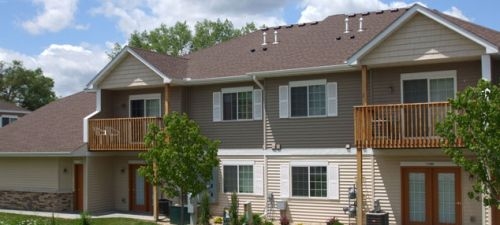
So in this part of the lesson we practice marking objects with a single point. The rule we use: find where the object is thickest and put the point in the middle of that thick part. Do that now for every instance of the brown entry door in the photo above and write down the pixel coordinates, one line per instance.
(139, 191)
(496, 215)
(431, 196)
(78, 195)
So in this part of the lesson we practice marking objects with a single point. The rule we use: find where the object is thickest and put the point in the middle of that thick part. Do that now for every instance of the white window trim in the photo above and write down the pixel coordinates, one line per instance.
(306, 83)
(429, 76)
(7, 116)
(237, 163)
(307, 164)
(234, 90)
(144, 97)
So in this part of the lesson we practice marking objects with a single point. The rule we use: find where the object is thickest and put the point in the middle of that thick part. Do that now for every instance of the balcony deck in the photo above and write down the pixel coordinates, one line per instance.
(399, 125)
(119, 134)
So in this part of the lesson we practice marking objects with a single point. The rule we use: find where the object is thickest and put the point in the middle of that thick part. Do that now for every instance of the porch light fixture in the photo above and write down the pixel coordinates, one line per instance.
(347, 146)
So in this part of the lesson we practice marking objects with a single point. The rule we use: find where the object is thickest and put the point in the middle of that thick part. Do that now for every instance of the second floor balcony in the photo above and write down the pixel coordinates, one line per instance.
(409, 125)
(119, 134)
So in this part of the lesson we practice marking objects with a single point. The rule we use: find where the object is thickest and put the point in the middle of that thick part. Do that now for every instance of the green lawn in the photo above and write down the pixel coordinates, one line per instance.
(15, 219)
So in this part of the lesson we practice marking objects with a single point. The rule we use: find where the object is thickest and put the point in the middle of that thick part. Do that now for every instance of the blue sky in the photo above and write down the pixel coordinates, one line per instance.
(68, 38)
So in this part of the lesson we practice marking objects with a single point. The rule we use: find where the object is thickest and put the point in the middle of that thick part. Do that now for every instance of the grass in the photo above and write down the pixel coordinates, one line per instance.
(16, 219)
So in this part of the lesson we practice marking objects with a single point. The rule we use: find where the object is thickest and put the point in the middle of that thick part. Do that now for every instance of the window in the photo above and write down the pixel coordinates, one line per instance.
(147, 105)
(7, 119)
(428, 86)
(237, 105)
(309, 181)
(308, 99)
(238, 178)
(241, 103)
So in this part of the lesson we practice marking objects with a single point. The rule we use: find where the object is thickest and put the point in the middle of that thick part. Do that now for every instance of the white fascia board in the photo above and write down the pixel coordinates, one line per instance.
(86, 119)
(217, 80)
(292, 152)
(111, 65)
(36, 154)
(417, 8)
(14, 111)
(304, 70)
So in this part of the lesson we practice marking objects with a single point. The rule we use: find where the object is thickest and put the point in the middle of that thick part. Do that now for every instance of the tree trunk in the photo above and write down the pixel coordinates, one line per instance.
(155, 192)
(182, 207)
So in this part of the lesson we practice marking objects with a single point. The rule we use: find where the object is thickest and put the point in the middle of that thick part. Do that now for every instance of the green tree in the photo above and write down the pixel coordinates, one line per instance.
(27, 88)
(179, 39)
(475, 121)
(180, 158)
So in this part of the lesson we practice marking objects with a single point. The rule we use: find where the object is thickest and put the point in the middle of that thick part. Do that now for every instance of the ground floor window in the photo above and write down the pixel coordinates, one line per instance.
(238, 178)
(309, 181)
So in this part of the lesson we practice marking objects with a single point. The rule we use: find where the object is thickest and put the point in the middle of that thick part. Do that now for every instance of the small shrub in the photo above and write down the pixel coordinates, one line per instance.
(205, 209)
(85, 219)
(267, 222)
(218, 220)
(284, 220)
(233, 210)
(257, 219)
(333, 221)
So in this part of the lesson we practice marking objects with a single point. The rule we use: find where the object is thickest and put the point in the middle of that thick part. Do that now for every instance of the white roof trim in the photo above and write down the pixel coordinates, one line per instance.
(111, 65)
(14, 111)
(417, 8)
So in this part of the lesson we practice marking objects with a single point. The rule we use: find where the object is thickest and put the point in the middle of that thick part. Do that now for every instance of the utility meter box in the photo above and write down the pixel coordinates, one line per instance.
(281, 204)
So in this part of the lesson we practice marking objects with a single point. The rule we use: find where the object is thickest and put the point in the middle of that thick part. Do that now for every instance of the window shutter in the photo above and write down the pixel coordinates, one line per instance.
(284, 180)
(332, 99)
(216, 107)
(283, 95)
(258, 179)
(333, 181)
(257, 104)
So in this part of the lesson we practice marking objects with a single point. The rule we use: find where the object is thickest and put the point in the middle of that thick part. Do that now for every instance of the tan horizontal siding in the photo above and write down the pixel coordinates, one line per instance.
(99, 184)
(422, 39)
(130, 73)
(29, 174)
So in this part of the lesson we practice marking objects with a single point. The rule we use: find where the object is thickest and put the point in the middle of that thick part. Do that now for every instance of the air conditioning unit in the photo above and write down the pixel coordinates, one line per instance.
(377, 219)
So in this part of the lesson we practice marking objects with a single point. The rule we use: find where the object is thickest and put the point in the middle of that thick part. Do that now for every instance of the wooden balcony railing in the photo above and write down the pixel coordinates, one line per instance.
(399, 125)
(119, 133)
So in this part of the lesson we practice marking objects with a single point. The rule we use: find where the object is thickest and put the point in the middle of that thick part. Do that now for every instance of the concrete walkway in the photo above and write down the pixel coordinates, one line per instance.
(163, 220)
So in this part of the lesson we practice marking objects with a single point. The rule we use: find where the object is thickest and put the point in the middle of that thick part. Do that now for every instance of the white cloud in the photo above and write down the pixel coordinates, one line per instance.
(147, 14)
(319, 9)
(455, 12)
(70, 66)
(55, 16)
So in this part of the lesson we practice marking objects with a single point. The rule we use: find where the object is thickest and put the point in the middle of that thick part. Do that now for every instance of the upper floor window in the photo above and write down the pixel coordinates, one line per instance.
(7, 119)
(242, 103)
(310, 98)
(435, 86)
(147, 105)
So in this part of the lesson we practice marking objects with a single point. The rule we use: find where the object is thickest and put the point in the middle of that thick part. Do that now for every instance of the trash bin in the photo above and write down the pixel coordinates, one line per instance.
(164, 205)
(175, 215)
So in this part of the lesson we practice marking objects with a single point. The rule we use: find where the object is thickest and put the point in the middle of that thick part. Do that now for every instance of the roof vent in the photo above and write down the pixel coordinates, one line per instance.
(379, 12)
(302, 24)
(360, 24)
(264, 49)
(252, 50)
(338, 38)
(365, 13)
(314, 23)
(346, 25)
(264, 42)
(265, 29)
(352, 15)
(275, 37)
(289, 26)
(277, 28)
(394, 10)
(352, 37)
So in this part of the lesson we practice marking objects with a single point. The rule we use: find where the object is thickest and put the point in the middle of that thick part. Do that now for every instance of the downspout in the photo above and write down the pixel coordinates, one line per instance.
(263, 111)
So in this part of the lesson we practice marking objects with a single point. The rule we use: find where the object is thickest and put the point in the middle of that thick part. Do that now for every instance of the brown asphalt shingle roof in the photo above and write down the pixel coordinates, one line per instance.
(9, 106)
(56, 127)
(303, 45)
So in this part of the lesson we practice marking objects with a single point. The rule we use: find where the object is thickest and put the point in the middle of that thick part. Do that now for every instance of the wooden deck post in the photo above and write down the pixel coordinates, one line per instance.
(359, 151)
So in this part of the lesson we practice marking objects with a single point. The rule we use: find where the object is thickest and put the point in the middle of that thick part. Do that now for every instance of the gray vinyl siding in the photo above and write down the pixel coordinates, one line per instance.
(385, 83)
(115, 104)
(178, 101)
(319, 132)
(232, 134)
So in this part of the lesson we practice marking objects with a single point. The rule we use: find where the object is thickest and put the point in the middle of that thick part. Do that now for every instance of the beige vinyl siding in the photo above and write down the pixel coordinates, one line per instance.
(130, 73)
(232, 134)
(121, 182)
(116, 103)
(315, 210)
(422, 39)
(385, 83)
(29, 174)
(313, 132)
(66, 179)
(224, 199)
(99, 183)
(387, 185)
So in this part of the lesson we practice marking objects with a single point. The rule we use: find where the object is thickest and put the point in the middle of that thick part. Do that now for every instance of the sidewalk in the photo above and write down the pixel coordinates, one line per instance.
(163, 220)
